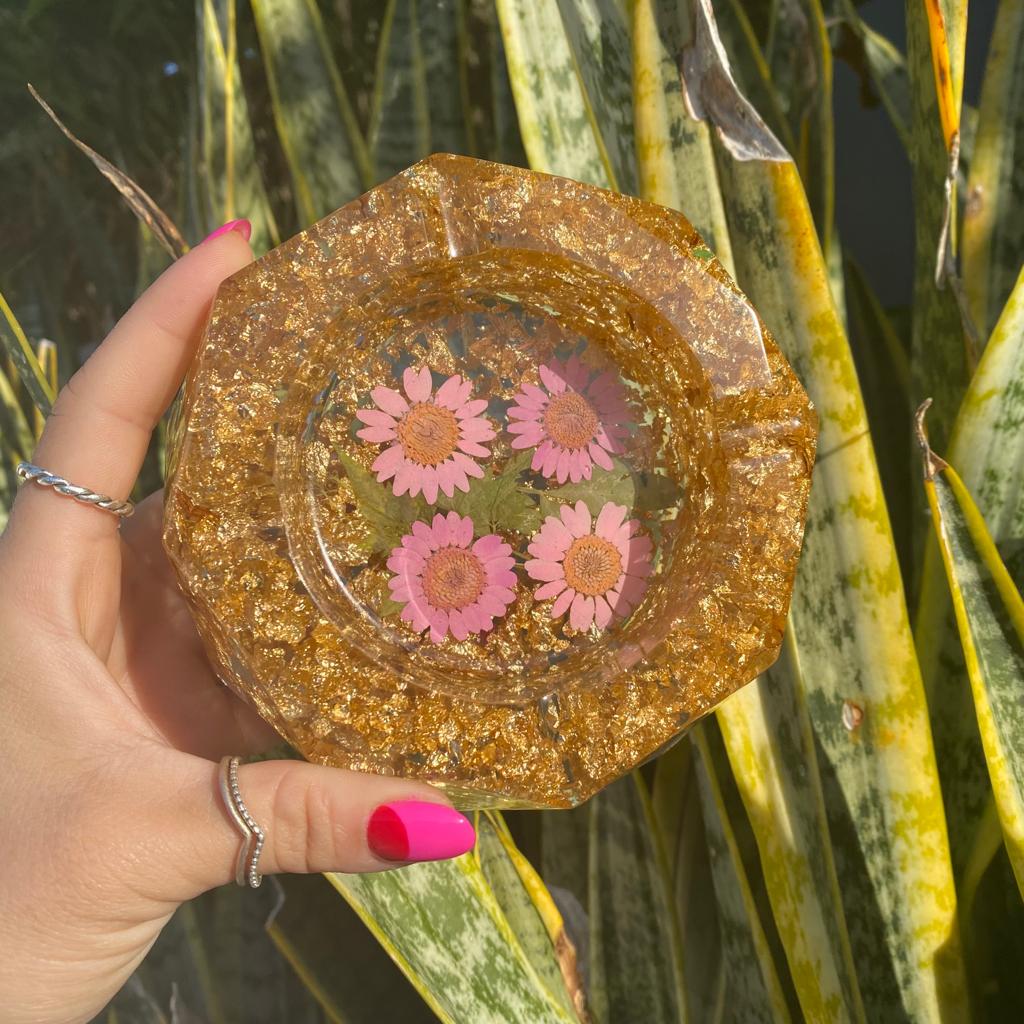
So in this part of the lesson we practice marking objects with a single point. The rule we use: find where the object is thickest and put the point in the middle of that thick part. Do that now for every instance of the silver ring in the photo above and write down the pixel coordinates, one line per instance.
(37, 475)
(253, 837)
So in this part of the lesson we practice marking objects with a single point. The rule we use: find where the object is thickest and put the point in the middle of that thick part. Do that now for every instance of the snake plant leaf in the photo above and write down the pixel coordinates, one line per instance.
(23, 358)
(555, 118)
(505, 143)
(753, 989)
(327, 157)
(990, 617)
(887, 68)
(799, 56)
(598, 35)
(230, 173)
(443, 925)
(17, 440)
(635, 956)
(987, 442)
(444, 44)
(941, 352)
(848, 616)
(768, 736)
(399, 133)
(993, 229)
(680, 826)
(336, 959)
(883, 369)
(531, 912)
(676, 162)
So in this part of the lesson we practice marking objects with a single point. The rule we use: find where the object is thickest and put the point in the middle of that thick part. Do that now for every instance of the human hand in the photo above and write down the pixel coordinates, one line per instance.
(112, 718)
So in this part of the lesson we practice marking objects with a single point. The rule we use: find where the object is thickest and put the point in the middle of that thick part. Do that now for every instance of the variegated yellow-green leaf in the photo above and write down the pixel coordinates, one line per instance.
(229, 170)
(993, 230)
(799, 57)
(990, 617)
(23, 357)
(768, 735)
(336, 959)
(530, 910)
(941, 352)
(674, 154)
(555, 119)
(753, 991)
(598, 36)
(988, 443)
(444, 927)
(848, 618)
(635, 960)
(326, 155)
(16, 436)
(444, 43)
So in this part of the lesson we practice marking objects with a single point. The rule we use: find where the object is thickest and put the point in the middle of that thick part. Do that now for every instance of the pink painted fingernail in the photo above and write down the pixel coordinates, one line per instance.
(242, 226)
(411, 830)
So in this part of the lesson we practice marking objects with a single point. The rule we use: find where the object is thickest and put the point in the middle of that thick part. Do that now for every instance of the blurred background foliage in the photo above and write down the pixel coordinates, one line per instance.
(794, 859)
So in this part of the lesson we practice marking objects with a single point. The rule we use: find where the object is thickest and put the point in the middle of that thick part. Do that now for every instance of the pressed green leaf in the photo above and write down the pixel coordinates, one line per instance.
(770, 742)
(21, 354)
(386, 515)
(399, 132)
(848, 616)
(635, 958)
(317, 129)
(990, 617)
(502, 865)
(444, 927)
(754, 992)
(555, 119)
(229, 170)
(498, 501)
(940, 350)
(993, 230)
(675, 158)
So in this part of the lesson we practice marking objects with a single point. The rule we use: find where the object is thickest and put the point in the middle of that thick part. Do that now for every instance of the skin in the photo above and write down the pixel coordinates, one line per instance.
(112, 722)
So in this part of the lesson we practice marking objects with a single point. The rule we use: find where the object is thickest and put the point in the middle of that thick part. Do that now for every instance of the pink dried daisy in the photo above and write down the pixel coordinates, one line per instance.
(434, 437)
(447, 585)
(595, 571)
(574, 421)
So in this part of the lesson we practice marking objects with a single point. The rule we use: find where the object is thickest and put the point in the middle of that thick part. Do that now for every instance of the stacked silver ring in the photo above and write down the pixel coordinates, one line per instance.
(253, 837)
(37, 475)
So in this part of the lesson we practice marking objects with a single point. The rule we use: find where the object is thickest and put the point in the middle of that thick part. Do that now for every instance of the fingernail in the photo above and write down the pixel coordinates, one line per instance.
(242, 226)
(412, 830)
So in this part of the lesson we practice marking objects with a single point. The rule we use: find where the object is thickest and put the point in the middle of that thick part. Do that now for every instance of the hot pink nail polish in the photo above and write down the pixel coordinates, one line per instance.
(242, 226)
(413, 830)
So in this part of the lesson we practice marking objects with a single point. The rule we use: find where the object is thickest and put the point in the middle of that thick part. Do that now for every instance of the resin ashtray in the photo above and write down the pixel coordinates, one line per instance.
(490, 478)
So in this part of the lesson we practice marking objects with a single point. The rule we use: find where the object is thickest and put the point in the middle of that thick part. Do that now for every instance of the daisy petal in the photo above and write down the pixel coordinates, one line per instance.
(417, 384)
(581, 613)
(390, 401)
(577, 519)
(552, 378)
(377, 435)
(609, 520)
(448, 393)
(562, 602)
(552, 589)
(538, 569)
(473, 408)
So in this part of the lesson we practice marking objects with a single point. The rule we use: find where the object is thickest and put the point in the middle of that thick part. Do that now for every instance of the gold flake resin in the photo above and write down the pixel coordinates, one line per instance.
(491, 479)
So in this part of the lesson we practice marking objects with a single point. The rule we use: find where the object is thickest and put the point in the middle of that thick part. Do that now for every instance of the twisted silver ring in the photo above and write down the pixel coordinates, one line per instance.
(253, 837)
(37, 475)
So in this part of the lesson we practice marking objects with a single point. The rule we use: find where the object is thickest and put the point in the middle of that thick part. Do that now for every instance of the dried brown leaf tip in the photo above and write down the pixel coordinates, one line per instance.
(932, 463)
(140, 202)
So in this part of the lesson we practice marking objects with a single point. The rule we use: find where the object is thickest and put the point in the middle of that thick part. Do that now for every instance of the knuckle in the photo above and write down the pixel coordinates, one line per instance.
(305, 835)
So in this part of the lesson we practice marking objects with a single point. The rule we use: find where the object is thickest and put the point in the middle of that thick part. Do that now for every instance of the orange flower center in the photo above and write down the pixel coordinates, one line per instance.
(453, 578)
(592, 565)
(429, 433)
(570, 420)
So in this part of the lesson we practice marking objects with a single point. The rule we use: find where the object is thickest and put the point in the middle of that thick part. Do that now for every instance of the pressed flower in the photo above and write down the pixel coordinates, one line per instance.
(575, 420)
(596, 570)
(432, 437)
(449, 583)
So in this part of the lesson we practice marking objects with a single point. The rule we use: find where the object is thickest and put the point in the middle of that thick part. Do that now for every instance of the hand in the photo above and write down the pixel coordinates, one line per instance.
(112, 721)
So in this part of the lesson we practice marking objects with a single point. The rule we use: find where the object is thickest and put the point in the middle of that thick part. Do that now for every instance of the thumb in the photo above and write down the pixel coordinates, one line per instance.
(314, 818)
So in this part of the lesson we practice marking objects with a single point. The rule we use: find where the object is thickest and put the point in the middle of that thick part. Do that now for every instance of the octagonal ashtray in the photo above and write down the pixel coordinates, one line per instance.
(491, 479)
